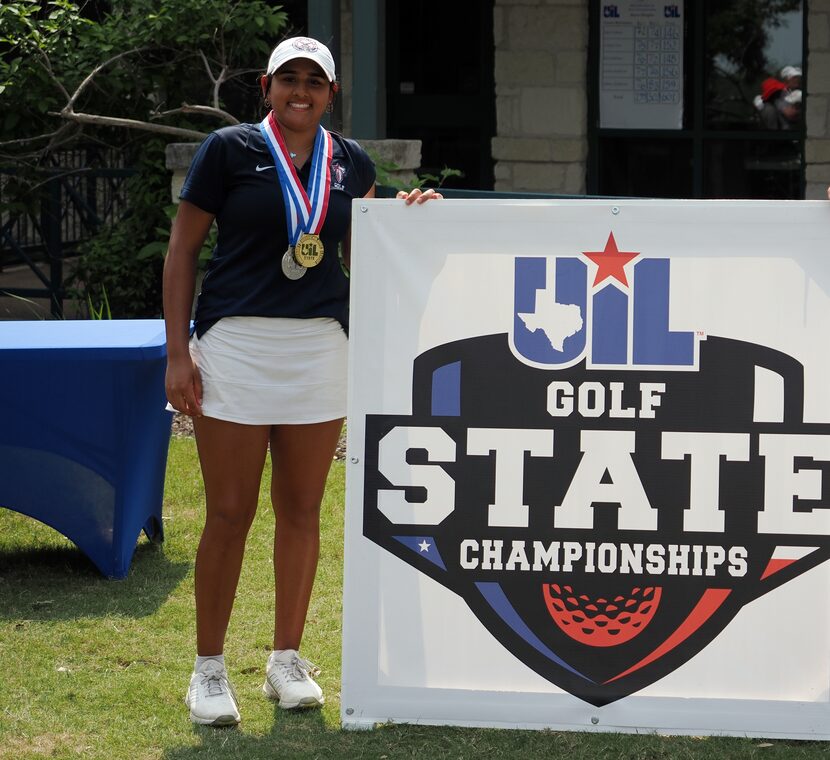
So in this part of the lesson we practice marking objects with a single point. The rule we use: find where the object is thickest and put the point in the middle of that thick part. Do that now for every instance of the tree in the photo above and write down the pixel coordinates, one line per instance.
(128, 75)
(738, 33)
(171, 67)
(739, 30)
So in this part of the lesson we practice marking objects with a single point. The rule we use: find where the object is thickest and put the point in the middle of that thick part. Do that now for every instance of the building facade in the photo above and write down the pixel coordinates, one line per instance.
(555, 96)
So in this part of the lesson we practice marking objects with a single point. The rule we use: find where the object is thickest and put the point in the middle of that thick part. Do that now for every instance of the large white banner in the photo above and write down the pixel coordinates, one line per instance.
(588, 480)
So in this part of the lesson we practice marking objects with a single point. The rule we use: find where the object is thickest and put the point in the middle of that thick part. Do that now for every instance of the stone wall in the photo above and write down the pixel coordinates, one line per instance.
(397, 160)
(541, 141)
(177, 158)
(817, 149)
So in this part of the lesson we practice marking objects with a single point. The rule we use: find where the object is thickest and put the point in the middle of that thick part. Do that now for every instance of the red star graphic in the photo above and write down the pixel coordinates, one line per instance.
(611, 261)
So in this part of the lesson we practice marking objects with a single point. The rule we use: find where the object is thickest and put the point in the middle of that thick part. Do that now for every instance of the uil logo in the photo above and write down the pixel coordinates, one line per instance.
(621, 322)
(604, 489)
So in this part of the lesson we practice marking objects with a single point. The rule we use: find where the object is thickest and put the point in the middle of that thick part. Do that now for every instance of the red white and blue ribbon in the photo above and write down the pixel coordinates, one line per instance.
(304, 212)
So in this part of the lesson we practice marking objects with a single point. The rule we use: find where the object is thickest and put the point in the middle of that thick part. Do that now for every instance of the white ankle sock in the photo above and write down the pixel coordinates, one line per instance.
(220, 658)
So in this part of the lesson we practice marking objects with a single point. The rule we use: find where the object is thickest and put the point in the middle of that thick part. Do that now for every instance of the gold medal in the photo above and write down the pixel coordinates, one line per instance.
(309, 250)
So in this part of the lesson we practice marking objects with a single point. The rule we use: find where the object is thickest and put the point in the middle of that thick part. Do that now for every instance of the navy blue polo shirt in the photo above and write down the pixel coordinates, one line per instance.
(233, 177)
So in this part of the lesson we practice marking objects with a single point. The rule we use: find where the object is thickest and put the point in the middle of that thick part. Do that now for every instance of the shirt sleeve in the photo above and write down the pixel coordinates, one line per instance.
(204, 185)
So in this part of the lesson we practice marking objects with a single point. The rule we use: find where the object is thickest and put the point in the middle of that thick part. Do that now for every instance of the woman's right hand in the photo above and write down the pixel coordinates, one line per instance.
(183, 384)
(183, 381)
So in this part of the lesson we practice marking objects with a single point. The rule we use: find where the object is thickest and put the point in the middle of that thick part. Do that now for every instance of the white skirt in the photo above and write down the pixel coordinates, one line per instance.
(272, 371)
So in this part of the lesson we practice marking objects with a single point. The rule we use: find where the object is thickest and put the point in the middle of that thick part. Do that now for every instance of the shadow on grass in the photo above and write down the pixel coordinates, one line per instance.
(61, 583)
(299, 736)
(304, 734)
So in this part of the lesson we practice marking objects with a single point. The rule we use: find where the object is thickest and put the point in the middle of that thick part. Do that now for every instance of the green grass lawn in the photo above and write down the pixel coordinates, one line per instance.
(97, 668)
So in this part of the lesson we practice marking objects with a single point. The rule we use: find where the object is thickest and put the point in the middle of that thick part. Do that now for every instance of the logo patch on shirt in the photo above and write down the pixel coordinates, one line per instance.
(263, 168)
(338, 175)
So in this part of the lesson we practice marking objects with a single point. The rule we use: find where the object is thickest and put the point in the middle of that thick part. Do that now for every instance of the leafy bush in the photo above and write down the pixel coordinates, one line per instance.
(122, 265)
(177, 64)
(140, 60)
(387, 175)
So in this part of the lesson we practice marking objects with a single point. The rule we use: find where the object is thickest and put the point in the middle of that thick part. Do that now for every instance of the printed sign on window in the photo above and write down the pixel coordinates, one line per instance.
(641, 65)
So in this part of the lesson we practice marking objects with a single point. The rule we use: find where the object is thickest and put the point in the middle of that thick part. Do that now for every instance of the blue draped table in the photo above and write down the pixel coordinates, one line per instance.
(84, 433)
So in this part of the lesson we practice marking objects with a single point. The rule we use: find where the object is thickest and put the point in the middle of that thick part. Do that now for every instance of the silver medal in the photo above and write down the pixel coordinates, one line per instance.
(290, 268)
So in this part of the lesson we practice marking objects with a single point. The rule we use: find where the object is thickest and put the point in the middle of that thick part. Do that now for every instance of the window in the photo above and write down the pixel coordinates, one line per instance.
(741, 130)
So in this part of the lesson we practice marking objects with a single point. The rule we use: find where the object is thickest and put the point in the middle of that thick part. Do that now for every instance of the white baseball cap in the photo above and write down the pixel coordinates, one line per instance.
(790, 71)
(302, 47)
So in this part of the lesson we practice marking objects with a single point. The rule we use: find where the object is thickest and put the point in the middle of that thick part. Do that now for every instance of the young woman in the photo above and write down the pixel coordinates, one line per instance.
(266, 365)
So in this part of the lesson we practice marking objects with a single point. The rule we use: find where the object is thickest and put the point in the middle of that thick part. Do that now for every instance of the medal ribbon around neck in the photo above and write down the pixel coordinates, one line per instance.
(305, 213)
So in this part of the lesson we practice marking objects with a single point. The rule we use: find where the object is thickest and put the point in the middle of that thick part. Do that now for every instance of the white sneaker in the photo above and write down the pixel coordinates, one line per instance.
(211, 698)
(288, 679)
